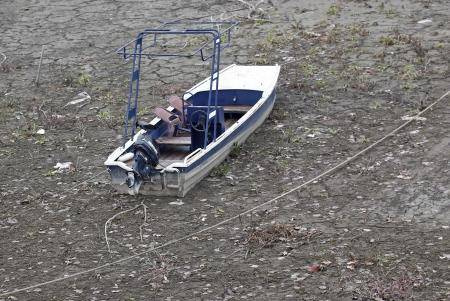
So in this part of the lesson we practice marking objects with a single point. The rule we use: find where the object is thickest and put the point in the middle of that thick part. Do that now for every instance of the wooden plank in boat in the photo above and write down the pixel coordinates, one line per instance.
(236, 109)
(174, 140)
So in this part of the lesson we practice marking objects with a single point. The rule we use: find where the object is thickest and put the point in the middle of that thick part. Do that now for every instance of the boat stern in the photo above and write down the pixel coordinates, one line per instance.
(164, 181)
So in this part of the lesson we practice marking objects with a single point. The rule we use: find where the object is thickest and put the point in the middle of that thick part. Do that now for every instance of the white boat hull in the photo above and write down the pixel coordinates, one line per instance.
(178, 178)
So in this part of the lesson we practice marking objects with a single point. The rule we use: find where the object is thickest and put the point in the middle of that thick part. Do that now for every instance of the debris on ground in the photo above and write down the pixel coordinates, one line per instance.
(81, 97)
(267, 237)
(417, 118)
(64, 167)
(425, 21)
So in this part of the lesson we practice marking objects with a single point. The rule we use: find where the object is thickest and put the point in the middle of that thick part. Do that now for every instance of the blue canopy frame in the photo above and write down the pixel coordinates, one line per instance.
(134, 49)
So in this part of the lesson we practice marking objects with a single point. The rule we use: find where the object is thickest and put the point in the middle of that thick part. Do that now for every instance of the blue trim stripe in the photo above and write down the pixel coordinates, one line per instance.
(228, 97)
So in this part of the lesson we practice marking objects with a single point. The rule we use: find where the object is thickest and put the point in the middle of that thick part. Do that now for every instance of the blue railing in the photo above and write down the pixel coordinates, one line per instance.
(134, 49)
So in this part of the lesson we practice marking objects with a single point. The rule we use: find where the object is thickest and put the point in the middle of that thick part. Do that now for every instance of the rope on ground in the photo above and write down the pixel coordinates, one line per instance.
(185, 237)
(87, 180)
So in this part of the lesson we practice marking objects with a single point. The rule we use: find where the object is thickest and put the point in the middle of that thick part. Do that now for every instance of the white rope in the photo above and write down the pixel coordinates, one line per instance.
(172, 242)
(87, 180)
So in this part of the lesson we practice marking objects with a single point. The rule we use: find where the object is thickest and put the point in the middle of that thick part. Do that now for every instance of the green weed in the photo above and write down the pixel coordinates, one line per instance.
(107, 118)
(235, 151)
(334, 10)
(387, 41)
(84, 79)
(308, 69)
(409, 72)
(221, 170)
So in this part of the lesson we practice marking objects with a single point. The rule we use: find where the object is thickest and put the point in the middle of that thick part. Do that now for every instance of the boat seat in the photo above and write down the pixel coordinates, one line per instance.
(236, 109)
(176, 102)
(172, 120)
(181, 140)
(167, 116)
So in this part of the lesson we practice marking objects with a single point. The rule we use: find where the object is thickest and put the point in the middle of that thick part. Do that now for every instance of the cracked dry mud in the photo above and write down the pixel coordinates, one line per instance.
(378, 229)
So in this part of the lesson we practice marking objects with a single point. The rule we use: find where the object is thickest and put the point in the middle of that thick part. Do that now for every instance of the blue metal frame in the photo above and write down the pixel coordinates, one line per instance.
(138, 51)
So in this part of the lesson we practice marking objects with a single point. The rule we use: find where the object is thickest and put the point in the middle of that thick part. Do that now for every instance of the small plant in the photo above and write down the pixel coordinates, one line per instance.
(407, 86)
(334, 10)
(261, 21)
(313, 51)
(104, 115)
(49, 173)
(221, 170)
(272, 39)
(275, 39)
(307, 69)
(390, 13)
(383, 67)
(260, 60)
(235, 151)
(322, 84)
(409, 72)
(333, 131)
(438, 45)
(358, 29)
(387, 41)
(375, 105)
(84, 79)
(279, 114)
(40, 139)
(81, 131)
(196, 40)
(297, 25)
(10, 103)
(334, 35)
(145, 111)
(292, 136)
(107, 118)
(68, 80)
(108, 98)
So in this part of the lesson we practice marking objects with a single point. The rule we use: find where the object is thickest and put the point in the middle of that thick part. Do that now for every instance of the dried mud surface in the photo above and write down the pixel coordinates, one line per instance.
(377, 229)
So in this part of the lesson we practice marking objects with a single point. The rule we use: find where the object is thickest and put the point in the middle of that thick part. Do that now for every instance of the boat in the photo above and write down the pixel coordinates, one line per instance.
(170, 154)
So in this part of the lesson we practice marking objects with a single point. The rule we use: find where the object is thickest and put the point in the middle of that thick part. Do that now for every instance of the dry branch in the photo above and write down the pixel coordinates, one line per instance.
(123, 212)
(253, 8)
(36, 82)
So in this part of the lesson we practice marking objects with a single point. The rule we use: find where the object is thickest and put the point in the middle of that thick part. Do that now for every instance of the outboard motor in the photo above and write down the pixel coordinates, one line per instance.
(146, 158)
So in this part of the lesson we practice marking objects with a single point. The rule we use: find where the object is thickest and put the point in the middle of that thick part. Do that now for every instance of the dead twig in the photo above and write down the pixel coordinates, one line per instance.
(36, 82)
(41, 110)
(267, 237)
(123, 212)
(145, 221)
(253, 8)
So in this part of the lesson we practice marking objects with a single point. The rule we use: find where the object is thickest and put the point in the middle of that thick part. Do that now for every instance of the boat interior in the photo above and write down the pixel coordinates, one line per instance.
(181, 128)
